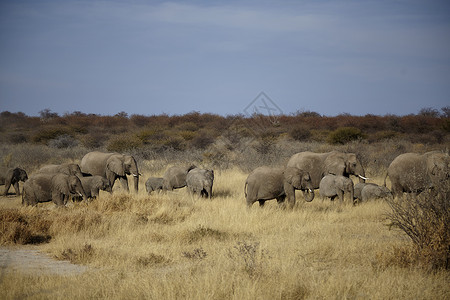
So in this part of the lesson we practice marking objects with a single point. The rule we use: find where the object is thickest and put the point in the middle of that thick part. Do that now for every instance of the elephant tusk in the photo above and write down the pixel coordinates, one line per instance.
(362, 177)
(135, 175)
(79, 194)
(310, 190)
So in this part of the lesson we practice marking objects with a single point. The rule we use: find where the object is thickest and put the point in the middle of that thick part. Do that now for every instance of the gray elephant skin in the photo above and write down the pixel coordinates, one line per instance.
(41, 187)
(154, 184)
(415, 173)
(336, 185)
(112, 166)
(68, 169)
(12, 177)
(320, 164)
(200, 182)
(175, 177)
(266, 183)
(93, 184)
(368, 191)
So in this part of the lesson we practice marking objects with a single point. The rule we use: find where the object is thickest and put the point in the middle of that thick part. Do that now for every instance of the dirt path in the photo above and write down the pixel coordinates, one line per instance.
(33, 261)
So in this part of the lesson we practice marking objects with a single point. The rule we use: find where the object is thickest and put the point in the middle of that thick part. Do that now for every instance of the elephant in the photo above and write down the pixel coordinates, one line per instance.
(68, 169)
(367, 191)
(112, 166)
(320, 164)
(336, 185)
(93, 184)
(154, 184)
(175, 177)
(200, 181)
(12, 177)
(266, 183)
(56, 187)
(415, 173)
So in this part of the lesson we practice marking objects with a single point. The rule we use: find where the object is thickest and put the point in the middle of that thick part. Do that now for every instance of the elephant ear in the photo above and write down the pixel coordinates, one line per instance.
(292, 176)
(115, 165)
(61, 184)
(335, 164)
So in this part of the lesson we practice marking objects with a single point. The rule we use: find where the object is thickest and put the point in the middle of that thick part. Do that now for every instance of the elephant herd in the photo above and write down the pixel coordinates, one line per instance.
(305, 171)
(99, 171)
(330, 172)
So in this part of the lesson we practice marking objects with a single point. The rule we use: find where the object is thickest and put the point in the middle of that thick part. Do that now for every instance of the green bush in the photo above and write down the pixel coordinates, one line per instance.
(344, 135)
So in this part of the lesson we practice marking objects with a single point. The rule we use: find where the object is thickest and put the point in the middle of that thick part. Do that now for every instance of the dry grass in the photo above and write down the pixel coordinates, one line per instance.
(172, 246)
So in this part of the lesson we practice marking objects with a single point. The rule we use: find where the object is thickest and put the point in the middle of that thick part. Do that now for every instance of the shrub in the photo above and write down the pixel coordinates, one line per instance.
(123, 143)
(300, 133)
(344, 135)
(43, 136)
(203, 139)
(63, 141)
(426, 220)
(175, 142)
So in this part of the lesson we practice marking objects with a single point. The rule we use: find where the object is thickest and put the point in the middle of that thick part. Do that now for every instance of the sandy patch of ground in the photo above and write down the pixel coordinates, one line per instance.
(33, 261)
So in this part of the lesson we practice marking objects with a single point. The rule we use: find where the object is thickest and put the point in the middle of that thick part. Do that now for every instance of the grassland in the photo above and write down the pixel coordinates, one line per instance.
(172, 246)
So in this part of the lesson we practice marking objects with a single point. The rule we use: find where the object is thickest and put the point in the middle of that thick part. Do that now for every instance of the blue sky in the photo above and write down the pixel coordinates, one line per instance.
(152, 57)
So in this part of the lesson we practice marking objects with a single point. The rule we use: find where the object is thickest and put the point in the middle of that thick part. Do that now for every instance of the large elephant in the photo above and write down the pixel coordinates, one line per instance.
(265, 183)
(12, 177)
(56, 187)
(336, 185)
(112, 166)
(320, 164)
(414, 173)
(68, 169)
(200, 181)
(175, 177)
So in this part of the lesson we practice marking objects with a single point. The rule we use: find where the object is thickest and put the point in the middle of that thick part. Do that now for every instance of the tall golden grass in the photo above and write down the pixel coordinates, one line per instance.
(173, 246)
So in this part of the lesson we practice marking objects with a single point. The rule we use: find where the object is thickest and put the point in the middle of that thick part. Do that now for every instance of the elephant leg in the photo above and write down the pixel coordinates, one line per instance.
(16, 187)
(280, 200)
(58, 198)
(124, 182)
(340, 195)
(261, 203)
(332, 197)
(7, 186)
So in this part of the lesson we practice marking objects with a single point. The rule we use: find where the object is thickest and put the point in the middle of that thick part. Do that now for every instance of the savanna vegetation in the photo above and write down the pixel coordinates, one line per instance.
(174, 246)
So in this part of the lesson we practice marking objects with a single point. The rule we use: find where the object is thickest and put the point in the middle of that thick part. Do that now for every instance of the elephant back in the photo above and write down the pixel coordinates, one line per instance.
(94, 163)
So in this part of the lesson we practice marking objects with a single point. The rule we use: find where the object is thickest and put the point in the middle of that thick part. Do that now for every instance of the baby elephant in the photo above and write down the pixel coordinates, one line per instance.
(266, 183)
(93, 184)
(154, 184)
(200, 181)
(336, 185)
(367, 191)
(12, 177)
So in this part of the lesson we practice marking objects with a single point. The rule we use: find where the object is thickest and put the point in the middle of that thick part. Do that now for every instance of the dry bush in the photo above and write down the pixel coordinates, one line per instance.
(344, 135)
(425, 219)
(122, 143)
(24, 227)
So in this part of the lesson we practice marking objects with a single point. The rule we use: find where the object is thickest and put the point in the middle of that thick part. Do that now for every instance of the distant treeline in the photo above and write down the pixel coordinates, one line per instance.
(199, 130)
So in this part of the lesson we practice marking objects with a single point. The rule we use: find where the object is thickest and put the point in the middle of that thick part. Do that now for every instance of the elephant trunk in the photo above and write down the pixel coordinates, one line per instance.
(82, 193)
(309, 195)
